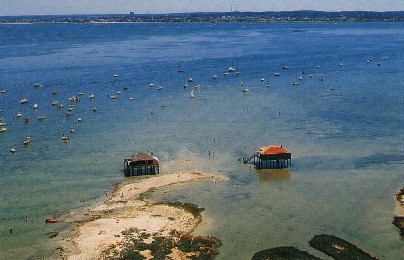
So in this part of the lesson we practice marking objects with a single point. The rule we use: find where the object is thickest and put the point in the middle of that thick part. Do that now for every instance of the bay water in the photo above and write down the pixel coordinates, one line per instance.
(343, 124)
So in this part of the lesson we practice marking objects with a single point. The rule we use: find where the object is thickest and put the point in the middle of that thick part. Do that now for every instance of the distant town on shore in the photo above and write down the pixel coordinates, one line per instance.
(216, 17)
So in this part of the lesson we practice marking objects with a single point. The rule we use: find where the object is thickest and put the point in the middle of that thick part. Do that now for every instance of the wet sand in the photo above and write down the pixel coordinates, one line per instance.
(100, 227)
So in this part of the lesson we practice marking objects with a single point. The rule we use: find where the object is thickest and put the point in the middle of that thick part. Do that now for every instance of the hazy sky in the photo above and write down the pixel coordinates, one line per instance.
(31, 7)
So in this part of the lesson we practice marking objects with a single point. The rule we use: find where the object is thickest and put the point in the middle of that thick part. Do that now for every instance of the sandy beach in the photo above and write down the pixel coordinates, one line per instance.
(98, 228)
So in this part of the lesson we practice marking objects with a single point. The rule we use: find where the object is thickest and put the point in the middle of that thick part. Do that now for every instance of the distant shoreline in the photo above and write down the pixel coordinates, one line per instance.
(216, 17)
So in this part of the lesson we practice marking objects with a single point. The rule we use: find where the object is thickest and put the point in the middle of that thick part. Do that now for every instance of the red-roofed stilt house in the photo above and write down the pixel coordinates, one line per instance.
(271, 157)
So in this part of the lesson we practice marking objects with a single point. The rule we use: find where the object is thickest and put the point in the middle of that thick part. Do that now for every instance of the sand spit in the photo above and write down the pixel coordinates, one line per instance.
(102, 227)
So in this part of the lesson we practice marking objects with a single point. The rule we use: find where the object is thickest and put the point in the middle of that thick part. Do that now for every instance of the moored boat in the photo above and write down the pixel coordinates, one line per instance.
(27, 140)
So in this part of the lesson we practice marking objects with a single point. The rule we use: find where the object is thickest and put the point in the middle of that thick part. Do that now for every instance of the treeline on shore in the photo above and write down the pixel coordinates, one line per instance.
(216, 17)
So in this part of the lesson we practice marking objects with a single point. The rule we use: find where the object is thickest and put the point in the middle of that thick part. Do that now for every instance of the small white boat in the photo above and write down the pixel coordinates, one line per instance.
(27, 140)
(262, 80)
(74, 99)
(116, 75)
(295, 83)
(3, 129)
(12, 150)
(277, 74)
(231, 69)
(37, 85)
(151, 85)
(24, 101)
(3, 91)
(226, 74)
(36, 106)
(185, 85)
(81, 93)
(321, 78)
(198, 86)
(94, 109)
(131, 99)
(40, 118)
(19, 115)
(214, 77)
(332, 88)
(190, 80)
(2, 124)
(160, 88)
(245, 90)
(284, 67)
(71, 130)
(55, 103)
(65, 139)
(79, 120)
(192, 94)
(114, 97)
(92, 96)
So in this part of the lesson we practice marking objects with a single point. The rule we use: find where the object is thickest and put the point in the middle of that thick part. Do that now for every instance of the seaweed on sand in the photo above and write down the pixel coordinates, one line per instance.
(399, 222)
(283, 252)
(137, 243)
(338, 248)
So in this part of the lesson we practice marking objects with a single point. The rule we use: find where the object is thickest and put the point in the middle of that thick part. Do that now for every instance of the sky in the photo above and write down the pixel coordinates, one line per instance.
(57, 7)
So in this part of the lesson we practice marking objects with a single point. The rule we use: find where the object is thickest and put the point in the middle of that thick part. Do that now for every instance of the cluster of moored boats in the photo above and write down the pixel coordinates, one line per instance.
(76, 98)
(28, 140)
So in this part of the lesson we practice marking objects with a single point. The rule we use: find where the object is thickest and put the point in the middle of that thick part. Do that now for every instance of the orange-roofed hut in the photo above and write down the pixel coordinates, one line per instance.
(141, 164)
(271, 157)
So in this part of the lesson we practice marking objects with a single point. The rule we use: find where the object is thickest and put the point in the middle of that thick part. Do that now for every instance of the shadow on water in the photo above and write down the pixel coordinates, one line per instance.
(266, 175)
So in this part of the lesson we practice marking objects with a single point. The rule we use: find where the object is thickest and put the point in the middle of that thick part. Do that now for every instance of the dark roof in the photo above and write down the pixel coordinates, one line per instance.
(142, 157)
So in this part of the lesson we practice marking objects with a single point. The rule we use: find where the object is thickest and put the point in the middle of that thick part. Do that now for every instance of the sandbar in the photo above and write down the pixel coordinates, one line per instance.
(98, 228)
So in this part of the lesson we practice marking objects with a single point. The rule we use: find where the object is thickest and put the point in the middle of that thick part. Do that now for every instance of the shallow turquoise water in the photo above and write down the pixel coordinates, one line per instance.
(347, 143)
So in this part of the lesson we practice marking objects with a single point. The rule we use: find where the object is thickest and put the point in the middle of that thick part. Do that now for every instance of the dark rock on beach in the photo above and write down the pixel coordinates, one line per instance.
(338, 248)
(283, 252)
(399, 222)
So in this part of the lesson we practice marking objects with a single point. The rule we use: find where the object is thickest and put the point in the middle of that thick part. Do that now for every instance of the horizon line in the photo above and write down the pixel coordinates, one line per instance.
(201, 12)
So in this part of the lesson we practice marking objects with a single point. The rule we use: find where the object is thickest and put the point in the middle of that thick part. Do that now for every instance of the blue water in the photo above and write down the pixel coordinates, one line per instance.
(347, 143)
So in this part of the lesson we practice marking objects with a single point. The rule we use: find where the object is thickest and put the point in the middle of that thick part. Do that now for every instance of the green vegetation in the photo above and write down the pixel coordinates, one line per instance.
(338, 248)
(161, 247)
(283, 252)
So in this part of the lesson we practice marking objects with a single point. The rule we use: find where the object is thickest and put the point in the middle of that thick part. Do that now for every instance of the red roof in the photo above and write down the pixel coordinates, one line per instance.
(273, 150)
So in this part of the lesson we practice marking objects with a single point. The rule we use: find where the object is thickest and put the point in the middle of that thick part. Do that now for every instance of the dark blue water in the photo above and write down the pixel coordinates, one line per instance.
(345, 132)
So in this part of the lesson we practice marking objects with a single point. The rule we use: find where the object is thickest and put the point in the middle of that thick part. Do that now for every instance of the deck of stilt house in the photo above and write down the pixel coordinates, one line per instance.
(270, 157)
(141, 164)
